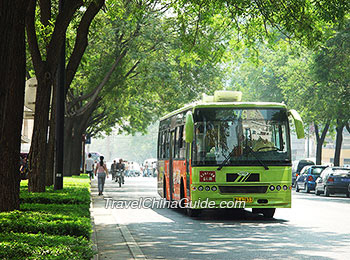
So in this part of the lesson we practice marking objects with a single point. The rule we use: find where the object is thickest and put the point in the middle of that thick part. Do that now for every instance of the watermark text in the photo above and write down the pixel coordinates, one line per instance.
(156, 203)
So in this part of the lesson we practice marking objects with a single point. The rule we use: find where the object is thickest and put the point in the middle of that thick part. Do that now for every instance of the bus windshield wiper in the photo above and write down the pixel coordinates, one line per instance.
(250, 150)
(226, 159)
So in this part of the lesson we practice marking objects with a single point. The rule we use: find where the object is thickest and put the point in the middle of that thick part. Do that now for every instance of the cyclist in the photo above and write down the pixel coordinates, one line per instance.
(121, 166)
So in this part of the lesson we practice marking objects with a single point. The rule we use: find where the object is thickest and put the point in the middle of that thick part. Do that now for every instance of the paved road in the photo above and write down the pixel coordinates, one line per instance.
(315, 228)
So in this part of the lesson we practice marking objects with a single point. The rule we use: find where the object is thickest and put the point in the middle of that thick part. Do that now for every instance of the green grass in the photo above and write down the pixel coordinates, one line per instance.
(43, 246)
(72, 210)
(50, 225)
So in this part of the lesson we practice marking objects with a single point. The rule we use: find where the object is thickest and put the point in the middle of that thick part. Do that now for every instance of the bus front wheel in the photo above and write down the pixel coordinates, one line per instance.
(164, 190)
(267, 213)
(193, 212)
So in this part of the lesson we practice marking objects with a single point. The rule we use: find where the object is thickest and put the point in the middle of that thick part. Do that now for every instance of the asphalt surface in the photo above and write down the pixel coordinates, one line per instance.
(316, 227)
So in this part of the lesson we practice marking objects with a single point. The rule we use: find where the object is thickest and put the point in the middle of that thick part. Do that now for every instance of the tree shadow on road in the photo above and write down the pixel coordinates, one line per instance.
(237, 234)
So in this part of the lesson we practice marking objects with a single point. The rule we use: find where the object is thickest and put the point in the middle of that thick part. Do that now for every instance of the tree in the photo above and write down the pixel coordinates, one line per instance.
(303, 92)
(253, 20)
(260, 78)
(332, 69)
(264, 21)
(150, 74)
(12, 74)
(45, 39)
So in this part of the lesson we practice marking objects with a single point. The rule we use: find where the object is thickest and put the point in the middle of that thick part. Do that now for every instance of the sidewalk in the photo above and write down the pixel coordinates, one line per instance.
(113, 240)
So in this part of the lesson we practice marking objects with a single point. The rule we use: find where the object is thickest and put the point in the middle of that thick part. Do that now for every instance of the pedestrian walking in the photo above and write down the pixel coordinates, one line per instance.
(127, 168)
(24, 167)
(114, 169)
(89, 166)
(102, 172)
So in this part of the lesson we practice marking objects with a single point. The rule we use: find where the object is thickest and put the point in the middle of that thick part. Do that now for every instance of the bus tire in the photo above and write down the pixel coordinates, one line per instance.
(268, 213)
(193, 212)
(164, 189)
(182, 195)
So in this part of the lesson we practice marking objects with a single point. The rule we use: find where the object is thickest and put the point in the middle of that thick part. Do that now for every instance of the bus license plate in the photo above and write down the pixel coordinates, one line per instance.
(246, 199)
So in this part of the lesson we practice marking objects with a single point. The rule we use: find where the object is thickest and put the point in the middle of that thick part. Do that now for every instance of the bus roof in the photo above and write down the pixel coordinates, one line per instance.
(201, 104)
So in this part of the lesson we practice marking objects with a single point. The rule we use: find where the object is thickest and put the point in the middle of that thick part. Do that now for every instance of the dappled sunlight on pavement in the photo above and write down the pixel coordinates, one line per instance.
(312, 229)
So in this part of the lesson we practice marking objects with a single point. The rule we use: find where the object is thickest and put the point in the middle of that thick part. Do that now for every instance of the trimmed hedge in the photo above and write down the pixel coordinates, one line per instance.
(36, 222)
(73, 210)
(69, 195)
(50, 225)
(41, 246)
(76, 191)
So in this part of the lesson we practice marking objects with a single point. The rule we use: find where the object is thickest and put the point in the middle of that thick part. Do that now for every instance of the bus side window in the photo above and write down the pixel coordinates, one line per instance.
(159, 154)
(179, 152)
(162, 145)
(167, 144)
(176, 149)
(182, 143)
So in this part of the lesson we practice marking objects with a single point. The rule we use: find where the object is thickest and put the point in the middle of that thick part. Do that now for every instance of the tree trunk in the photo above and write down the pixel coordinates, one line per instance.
(51, 145)
(12, 84)
(38, 148)
(68, 125)
(76, 159)
(320, 141)
(73, 146)
(338, 143)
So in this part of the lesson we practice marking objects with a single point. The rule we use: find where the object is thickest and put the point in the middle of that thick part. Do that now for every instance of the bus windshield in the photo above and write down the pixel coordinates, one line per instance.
(241, 136)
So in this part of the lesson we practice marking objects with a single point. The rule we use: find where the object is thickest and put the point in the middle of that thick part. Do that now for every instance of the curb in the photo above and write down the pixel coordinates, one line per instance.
(131, 243)
(93, 235)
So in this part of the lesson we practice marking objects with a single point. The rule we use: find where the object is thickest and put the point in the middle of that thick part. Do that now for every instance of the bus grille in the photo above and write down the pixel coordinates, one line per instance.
(234, 177)
(243, 189)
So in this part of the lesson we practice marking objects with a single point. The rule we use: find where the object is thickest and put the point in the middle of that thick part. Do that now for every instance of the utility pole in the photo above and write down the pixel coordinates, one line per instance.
(61, 76)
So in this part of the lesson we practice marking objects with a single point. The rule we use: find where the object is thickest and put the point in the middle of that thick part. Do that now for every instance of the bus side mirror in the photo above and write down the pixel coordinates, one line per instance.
(298, 123)
(189, 127)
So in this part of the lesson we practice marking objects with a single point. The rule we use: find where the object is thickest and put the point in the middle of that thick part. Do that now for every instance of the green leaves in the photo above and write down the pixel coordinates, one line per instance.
(46, 230)
(157, 74)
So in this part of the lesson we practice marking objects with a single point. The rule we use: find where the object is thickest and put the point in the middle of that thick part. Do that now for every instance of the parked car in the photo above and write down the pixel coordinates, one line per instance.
(307, 177)
(333, 180)
(297, 167)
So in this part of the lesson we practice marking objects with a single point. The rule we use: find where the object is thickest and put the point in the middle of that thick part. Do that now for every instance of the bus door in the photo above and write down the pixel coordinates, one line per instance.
(171, 171)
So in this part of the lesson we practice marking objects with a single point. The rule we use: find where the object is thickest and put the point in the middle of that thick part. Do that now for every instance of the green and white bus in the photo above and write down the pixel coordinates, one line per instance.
(223, 151)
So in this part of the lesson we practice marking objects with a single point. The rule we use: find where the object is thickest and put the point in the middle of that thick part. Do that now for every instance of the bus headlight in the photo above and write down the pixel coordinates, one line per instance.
(214, 188)
(200, 188)
(278, 187)
(285, 187)
(272, 188)
(207, 188)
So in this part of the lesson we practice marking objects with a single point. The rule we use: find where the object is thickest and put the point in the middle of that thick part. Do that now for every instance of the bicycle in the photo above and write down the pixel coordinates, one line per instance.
(119, 177)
